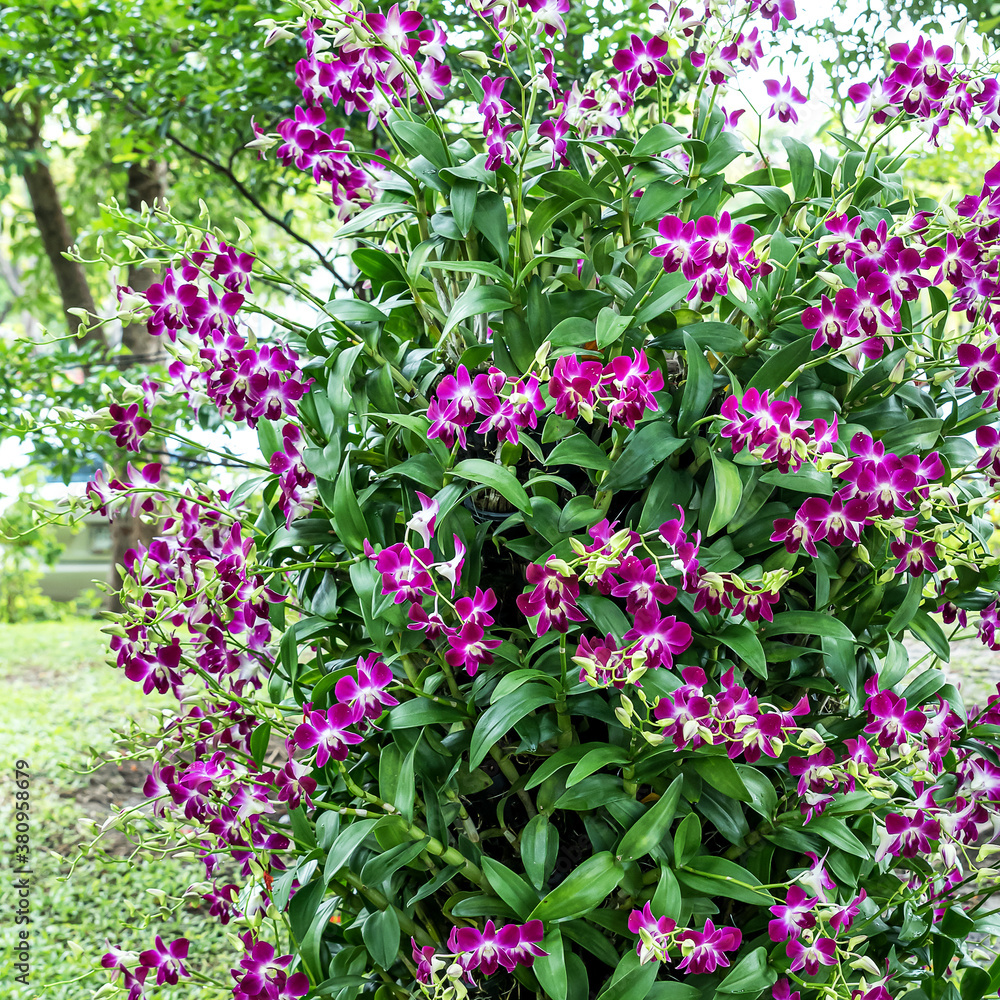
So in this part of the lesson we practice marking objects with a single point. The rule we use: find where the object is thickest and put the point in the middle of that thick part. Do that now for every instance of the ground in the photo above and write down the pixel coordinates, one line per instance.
(59, 699)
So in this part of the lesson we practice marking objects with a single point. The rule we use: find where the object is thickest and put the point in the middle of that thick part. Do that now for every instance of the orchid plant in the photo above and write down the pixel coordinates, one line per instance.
(584, 631)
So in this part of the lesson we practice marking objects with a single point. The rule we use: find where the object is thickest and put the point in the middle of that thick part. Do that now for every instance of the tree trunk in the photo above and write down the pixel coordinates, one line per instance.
(147, 182)
(54, 230)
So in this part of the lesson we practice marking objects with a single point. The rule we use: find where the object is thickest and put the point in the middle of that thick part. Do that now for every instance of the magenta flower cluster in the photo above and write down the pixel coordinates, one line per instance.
(772, 429)
(922, 85)
(708, 251)
(263, 976)
(245, 383)
(879, 486)
(506, 405)
(166, 960)
(485, 951)
(702, 951)
(811, 924)
(693, 716)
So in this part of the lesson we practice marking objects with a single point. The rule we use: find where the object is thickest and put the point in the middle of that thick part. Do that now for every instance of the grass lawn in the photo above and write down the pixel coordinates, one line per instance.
(59, 698)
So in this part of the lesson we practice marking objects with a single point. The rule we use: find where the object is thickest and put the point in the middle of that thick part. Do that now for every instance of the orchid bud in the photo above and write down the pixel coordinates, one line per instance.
(832, 281)
(542, 354)
(866, 964)
(560, 566)
(475, 57)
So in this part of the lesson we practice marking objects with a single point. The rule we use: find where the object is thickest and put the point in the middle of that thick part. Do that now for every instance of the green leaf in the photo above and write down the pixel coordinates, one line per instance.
(311, 940)
(579, 450)
(723, 338)
(697, 388)
(472, 267)
(750, 975)
(405, 793)
(773, 198)
(687, 839)
(897, 663)
(721, 774)
(345, 845)
(926, 629)
(497, 477)
(574, 331)
(422, 712)
(650, 829)
(658, 139)
(721, 152)
(579, 512)
(378, 868)
(381, 936)
(491, 221)
(672, 990)
(630, 980)
(582, 890)
(908, 607)
(539, 847)
(550, 969)
(610, 326)
(592, 792)
(510, 886)
(805, 480)
(594, 760)
(650, 445)
(721, 877)
(728, 492)
(561, 758)
(463, 204)
(975, 984)
(782, 364)
(474, 301)
(834, 831)
(801, 165)
(373, 214)
(499, 719)
(259, 740)
(422, 140)
(354, 311)
(348, 521)
(269, 438)
(658, 199)
(807, 623)
(605, 614)
(763, 797)
(743, 641)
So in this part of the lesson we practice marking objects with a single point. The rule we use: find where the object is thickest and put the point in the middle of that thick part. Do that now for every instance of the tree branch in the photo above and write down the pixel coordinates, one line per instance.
(246, 193)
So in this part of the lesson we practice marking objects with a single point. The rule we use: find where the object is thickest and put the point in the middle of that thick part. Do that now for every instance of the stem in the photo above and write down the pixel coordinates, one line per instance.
(510, 773)
(562, 712)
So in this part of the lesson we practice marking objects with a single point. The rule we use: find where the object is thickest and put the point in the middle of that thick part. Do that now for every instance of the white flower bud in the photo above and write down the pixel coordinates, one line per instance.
(475, 57)
(866, 964)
